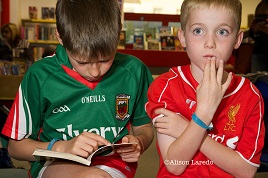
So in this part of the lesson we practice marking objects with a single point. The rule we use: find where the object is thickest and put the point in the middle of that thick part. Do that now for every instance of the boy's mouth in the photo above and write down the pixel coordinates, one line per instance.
(209, 56)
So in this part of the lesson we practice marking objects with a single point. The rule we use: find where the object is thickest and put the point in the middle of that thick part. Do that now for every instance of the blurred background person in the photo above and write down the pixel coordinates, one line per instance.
(259, 32)
(10, 38)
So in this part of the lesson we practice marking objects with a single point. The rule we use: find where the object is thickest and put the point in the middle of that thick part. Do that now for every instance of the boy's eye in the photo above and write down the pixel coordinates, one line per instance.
(85, 63)
(104, 60)
(198, 31)
(223, 32)
(82, 63)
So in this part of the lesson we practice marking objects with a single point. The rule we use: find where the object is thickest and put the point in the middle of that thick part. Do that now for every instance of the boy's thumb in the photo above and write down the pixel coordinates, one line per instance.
(125, 139)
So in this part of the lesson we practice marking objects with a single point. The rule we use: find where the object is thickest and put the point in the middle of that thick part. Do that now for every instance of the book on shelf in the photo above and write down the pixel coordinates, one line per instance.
(165, 31)
(122, 40)
(29, 33)
(153, 44)
(138, 31)
(175, 30)
(167, 42)
(149, 33)
(39, 32)
(138, 42)
(43, 154)
(178, 46)
(12, 68)
(48, 13)
(45, 13)
(36, 31)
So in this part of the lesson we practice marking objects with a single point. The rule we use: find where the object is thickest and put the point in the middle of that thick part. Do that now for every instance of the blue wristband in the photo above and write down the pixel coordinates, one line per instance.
(51, 143)
(200, 122)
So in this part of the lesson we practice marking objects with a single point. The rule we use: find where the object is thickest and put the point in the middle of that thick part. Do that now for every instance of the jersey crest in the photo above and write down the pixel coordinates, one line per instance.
(231, 115)
(122, 102)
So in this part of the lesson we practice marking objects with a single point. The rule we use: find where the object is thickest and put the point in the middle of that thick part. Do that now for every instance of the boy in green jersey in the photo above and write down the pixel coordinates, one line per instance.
(84, 96)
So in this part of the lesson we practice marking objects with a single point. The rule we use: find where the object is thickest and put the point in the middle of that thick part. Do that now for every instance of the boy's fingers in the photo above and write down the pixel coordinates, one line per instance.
(161, 119)
(213, 73)
(125, 139)
(99, 139)
(220, 72)
(207, 69)
(228, 82)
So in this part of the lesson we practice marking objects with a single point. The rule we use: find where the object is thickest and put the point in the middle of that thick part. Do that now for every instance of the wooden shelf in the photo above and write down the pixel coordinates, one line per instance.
(23, 21)
(9, 86)
(45, 42)
(164, 18)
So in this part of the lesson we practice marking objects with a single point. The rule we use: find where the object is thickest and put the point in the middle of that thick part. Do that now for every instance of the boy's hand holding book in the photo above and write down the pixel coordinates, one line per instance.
(82, 145)
(131, 153)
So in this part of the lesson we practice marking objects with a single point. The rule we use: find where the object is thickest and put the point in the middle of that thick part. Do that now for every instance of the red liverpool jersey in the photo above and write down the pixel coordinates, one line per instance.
(237, 123)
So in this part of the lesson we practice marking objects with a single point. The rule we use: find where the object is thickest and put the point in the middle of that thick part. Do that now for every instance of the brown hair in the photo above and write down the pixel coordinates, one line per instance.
(89, 28)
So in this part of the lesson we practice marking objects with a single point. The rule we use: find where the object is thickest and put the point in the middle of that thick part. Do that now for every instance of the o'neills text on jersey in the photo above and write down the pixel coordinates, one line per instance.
(93, 99)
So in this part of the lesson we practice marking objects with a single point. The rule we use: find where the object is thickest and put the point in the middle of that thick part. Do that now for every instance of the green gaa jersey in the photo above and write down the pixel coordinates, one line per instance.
(54, 101)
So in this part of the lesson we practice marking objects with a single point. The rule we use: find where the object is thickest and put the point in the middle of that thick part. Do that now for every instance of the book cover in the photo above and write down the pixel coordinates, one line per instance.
(138, 42)
(149, 34)
(52, 13)
(122, 40)
(153, 44)
(36, 31)
(178, 45)
(45, 13)
(167, 42)
(165, 31)
(30, 33)
(43, 154)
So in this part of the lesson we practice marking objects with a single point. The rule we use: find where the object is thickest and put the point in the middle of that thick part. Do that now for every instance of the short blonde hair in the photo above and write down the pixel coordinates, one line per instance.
(233, 6)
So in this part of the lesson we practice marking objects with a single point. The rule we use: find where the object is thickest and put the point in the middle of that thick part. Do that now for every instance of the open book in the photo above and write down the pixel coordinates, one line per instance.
(101, 151)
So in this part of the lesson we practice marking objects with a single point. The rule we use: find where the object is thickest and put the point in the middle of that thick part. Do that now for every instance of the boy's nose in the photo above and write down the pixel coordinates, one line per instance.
(210, 42)
(94, 70)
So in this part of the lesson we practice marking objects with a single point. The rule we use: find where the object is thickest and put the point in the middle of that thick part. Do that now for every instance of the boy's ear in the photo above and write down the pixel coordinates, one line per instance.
(58, 37)
(239, 39)
(181, 38)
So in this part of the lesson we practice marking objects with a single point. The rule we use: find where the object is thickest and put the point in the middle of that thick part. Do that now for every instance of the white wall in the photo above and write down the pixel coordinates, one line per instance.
(19, 8)
(173, 7)
(249, 7)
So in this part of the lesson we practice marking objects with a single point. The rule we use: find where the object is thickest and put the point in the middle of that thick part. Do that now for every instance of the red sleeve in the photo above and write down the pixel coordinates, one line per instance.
(252, 140)
(159, 95)
(153, 99)
(11, 126)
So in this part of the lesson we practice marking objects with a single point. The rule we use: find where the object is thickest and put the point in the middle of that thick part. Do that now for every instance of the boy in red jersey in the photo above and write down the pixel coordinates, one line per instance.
(209, 123)
(83, 96)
